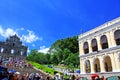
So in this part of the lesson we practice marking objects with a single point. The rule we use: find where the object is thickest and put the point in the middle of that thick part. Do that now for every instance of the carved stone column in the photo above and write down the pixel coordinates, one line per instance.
(90, 47)
(109, 39)
(81, 48)
(83, 67)
(113, 43)
(98, 43)
(92, 66)
(113, 64)
(102, 64)
(117, 61)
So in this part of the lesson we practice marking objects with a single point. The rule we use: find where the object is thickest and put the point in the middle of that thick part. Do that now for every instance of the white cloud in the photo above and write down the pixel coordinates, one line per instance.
(30, 37)
(43, 49)
(6, 33)
(33, 45)
(22, 29)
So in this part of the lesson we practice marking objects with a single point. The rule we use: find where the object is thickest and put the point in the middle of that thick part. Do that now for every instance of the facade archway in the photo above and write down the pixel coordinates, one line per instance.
(94, 45)
(21, 53)
(86, 48)
(97, 65)
(87, 66)
(104, 42)
(12, 51)
(108, 65)
(2, 50)
(117, 37)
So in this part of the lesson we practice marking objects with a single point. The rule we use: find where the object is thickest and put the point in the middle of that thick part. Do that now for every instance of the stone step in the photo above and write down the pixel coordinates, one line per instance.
(29, 70)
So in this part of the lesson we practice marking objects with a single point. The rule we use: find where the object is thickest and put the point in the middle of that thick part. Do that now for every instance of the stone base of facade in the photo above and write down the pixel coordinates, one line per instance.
(12, 55)
(105, 74)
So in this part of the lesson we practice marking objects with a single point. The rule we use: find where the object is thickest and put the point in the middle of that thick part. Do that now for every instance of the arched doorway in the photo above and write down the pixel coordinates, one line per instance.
(87, 66)
(117, 37)
(86, 48)
(104, 42)
(108, 65)
(97, 65)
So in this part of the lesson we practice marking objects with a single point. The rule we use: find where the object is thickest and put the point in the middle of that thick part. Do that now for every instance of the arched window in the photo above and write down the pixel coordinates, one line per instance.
(12, 51)
(94, 45)
(86, 48)
(21, 52)
(2, 49)
(117, 37)
(104, 42)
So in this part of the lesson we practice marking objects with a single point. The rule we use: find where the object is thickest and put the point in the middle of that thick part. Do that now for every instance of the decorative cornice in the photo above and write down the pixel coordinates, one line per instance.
(101, 52)
(100, 29)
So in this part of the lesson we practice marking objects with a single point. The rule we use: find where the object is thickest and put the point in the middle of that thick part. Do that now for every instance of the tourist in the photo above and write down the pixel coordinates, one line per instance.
(118, 77)
(16, 76)
(103, 78)
(11, 75)
(23, 77)
(57, 76)
(27, 76)
(76, 77)
(5, 77)
(97, 78)
(48, 78)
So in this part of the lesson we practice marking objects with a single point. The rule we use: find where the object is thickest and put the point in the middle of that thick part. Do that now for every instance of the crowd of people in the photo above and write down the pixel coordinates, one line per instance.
(13, 62)
(18, 76)
(7, 72)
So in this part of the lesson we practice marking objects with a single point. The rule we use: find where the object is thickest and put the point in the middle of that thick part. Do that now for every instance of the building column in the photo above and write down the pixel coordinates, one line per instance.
(109, 39)
(90, 47)
(81, 48)
(98, 43)
(83, 67)
(113, 65)
(117, 61)
(113, 43)
(92, 66)
(102, 65)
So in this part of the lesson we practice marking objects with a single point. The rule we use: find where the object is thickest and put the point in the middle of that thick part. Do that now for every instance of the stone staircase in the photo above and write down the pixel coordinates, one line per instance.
(30, 70)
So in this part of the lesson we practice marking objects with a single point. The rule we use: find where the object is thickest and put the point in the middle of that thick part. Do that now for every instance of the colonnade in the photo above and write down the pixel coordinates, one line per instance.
(100, 49)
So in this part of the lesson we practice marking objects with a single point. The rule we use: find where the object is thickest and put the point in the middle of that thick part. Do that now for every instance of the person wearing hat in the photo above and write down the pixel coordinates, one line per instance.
(16, 76)
(57, 76)
(10, 75)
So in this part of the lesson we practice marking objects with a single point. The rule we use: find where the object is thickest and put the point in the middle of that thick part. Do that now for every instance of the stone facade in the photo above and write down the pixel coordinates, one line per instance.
(13, 47)
(100, 49)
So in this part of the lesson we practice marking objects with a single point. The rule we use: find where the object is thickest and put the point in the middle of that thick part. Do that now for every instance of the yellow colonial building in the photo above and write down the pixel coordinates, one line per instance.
(99, 49)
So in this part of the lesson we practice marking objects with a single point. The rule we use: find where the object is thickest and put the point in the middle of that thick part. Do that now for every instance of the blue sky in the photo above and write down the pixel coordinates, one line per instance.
(39, 23)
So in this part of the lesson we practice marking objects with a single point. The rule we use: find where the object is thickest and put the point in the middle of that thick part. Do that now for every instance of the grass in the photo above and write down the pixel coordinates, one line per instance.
(42, 67)
(48, 70)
